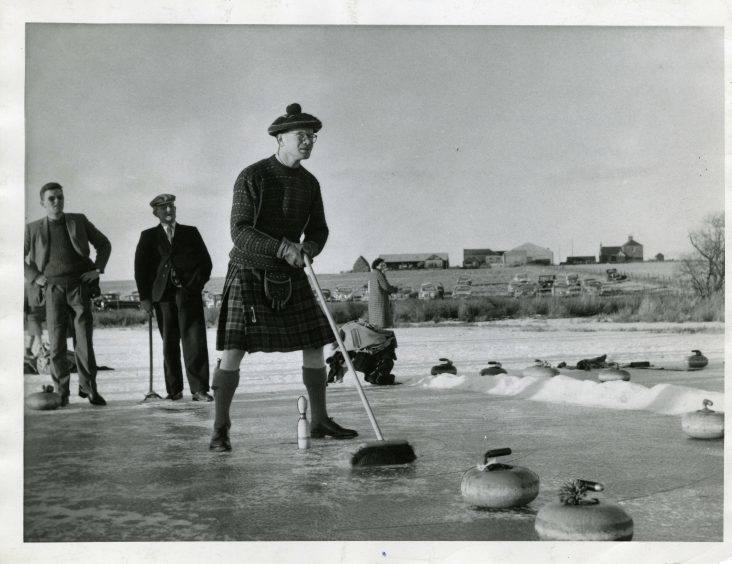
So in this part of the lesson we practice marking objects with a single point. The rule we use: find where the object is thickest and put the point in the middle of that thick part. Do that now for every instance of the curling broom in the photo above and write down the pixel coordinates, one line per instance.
(373, 453)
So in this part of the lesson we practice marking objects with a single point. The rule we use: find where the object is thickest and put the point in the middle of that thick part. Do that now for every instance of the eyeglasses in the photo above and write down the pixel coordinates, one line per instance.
(312, 137)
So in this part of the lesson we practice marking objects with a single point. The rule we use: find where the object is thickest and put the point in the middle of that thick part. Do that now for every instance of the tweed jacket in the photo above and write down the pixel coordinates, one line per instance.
(155, 256)
(36, 247)
(380, 313)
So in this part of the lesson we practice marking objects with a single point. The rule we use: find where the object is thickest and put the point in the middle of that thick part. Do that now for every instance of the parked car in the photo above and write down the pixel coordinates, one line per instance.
(327, 294)
(461, 291)
(569, 287)
(427, 291)
(591, 286)
(361, 294)
(614, 276)
(546, 284)
(113, 300)
(404, 292)
(343, 294)
(521, 285)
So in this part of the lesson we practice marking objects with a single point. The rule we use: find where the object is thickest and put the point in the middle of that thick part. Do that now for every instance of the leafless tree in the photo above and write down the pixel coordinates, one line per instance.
(704, 268)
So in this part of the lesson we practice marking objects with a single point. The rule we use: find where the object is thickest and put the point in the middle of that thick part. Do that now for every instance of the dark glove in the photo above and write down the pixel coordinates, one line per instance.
(291, 253)
(310, 248)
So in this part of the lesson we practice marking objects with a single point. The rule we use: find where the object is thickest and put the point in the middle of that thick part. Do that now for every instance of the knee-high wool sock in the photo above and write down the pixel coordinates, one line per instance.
(224, 384)
(315, 381)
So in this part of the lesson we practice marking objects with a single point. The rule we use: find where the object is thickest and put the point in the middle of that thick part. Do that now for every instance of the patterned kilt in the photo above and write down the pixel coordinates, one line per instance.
(248, 322)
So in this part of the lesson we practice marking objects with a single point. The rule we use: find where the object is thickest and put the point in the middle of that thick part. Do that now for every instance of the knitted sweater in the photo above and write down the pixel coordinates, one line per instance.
(272, 201)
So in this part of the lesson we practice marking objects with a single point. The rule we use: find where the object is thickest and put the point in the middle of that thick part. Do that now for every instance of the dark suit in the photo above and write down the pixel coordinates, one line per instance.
(71, 294)
(178, 308)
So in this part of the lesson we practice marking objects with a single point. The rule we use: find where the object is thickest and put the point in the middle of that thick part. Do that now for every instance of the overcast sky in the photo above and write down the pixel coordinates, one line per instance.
(435, 139)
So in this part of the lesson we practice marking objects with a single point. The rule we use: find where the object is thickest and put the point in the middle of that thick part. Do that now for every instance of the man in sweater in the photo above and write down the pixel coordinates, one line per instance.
(268, 304)
(60, 273)
(172, 265)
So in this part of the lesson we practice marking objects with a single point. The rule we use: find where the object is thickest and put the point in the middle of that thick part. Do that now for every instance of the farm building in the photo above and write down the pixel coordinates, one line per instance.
(528, 253)
(581, 260)
(416, 261)
(361, 265)
(631, 251)
(481, 258)
(611, 254)
(659, 257)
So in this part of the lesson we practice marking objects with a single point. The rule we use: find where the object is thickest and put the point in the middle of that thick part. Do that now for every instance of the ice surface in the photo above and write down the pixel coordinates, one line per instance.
(514, 343)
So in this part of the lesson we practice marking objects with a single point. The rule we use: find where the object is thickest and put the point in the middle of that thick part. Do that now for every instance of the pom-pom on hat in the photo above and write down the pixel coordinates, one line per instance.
(162, 200)
(294, 118)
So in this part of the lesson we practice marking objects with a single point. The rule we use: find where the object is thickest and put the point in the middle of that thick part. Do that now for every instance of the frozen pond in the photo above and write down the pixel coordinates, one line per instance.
(514, 343)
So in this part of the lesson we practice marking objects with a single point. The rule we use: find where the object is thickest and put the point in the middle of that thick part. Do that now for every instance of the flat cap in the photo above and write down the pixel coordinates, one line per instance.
(293, 119)
(162, 200)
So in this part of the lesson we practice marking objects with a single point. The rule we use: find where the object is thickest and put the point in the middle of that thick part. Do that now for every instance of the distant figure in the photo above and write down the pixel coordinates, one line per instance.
(380, 313)
(268, 305)
(172, 265)
(59, 272)
(33, 318)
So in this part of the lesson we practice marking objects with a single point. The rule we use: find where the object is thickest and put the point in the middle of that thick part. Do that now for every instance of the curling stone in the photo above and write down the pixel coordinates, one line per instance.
(540, 368)
(445, 368)
(704, 423)
(44, 400)
(492, 370)
(697, 361)
(614, 372)
(574, 518)
(495, 485)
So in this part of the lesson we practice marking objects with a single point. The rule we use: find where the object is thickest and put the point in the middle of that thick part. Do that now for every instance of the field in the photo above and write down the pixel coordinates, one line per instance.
(490, 281)
(650, 293)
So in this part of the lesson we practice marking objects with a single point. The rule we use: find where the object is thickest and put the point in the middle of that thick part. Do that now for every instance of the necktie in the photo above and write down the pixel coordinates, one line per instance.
(173, 276)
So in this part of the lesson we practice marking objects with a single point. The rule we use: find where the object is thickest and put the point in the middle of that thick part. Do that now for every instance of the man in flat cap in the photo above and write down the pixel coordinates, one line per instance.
(172, 265)
(60, 273)
(268, 305)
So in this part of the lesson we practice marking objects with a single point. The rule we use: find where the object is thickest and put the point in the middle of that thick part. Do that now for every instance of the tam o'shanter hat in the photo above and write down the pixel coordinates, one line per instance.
(162, 200)
(294, 118)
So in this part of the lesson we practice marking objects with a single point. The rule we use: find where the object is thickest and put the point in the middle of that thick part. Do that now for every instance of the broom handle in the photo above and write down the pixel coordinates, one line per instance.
(150, 332)
(344, 352)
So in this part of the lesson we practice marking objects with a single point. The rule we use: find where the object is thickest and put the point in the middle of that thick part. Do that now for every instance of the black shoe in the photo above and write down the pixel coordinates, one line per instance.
(82, 393)
(220, 441)
(96, 399)
(329, 428)
(202, 396)
(175, 397)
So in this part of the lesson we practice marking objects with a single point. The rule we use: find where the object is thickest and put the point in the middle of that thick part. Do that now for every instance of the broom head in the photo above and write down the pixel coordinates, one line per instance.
(383, 453)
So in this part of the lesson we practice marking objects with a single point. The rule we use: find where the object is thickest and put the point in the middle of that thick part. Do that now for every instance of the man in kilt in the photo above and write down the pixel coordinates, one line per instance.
(267, 302)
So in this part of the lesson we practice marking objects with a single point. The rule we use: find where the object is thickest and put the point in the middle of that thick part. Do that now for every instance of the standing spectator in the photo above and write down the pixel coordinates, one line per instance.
(380, 312)
(59, 271)
(268, 304)
(172, 265)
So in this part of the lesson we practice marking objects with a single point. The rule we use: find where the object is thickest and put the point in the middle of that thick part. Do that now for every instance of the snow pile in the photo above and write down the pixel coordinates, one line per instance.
(669, 399)
(672, 390)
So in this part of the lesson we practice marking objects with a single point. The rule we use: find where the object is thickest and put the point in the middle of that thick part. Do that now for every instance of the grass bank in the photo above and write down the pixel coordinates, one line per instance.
(637, 307)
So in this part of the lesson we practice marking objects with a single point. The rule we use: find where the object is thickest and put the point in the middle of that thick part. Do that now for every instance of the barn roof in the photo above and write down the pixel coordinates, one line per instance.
(414, 257)
(531, 248)
(611, 250)
(632, 242)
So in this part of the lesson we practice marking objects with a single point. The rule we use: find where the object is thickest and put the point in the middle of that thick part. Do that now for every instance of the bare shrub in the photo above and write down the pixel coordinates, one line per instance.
(703, 269)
